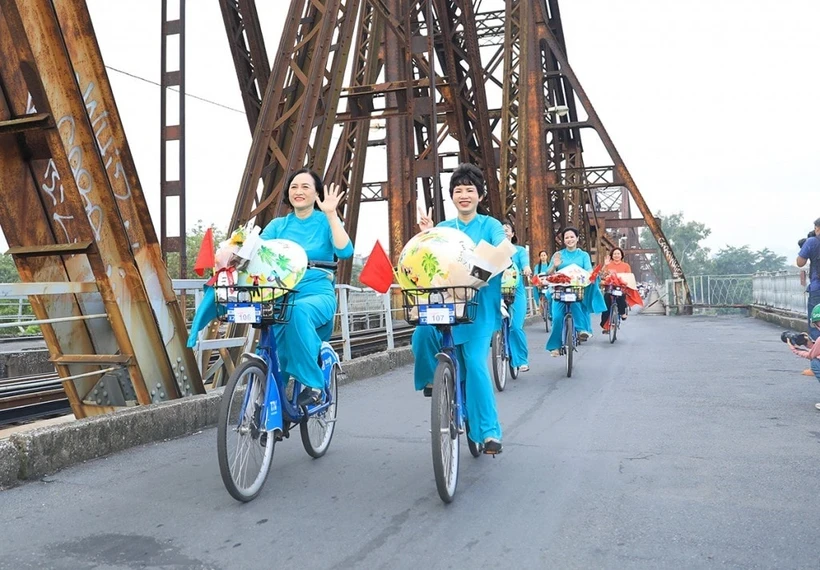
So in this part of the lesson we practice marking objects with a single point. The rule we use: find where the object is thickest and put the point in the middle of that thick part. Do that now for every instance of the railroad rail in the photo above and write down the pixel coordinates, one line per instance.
(27, 398)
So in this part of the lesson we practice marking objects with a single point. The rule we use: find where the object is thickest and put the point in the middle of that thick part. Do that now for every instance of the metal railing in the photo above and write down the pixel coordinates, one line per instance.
(781, 290)
(715, 291)
(359, 309)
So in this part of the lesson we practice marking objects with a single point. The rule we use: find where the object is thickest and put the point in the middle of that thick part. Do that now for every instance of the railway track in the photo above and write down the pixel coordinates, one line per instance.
(27, 398)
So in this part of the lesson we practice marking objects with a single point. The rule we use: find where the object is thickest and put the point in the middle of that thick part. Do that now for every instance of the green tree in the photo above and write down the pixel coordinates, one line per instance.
(193, 241)
(732, 260)
(684, 238)
(8, 271)
(770, 261)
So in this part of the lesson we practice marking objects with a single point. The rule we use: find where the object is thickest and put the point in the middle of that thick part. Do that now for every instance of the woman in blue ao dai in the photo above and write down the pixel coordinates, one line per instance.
(518, 311)
(472, 340)
(315, 225)
(571, 254)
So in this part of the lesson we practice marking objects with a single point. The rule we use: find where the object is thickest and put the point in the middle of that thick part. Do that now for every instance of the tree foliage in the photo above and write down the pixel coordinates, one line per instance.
(685, 238)
(732, 260)
(193, 242)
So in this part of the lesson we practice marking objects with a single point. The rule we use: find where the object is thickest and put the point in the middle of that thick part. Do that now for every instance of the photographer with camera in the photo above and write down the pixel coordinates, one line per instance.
(810, 251)
(805, 347)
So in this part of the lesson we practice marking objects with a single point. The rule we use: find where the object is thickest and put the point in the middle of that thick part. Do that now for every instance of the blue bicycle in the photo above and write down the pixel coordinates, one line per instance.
(259, 406)
(444, 308)
(501, 355)
(569, 336)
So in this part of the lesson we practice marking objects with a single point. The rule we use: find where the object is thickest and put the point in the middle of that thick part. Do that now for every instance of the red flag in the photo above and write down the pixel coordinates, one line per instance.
(594, 275)
(377, 272)
(205, 258)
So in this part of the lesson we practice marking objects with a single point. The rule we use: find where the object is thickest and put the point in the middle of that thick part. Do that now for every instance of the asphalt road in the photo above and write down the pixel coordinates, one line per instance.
(692, 442)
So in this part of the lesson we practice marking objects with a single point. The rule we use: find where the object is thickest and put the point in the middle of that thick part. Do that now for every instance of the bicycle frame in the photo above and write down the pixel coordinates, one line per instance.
(448, 355)
(505, 330)
(278, 408)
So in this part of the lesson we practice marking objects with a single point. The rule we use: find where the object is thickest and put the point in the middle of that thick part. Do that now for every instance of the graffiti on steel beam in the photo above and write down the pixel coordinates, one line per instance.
(674, 266)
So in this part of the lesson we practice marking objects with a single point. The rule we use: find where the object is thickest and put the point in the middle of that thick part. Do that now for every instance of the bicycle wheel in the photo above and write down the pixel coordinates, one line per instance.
(499, 354)
(545, 313)
(244, 455)
(569, 341)
(444, 432)
(317, 429)
(614, 321)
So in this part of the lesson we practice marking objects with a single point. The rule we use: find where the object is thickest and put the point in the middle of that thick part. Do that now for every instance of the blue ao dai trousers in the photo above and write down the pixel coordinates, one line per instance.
(481, 411)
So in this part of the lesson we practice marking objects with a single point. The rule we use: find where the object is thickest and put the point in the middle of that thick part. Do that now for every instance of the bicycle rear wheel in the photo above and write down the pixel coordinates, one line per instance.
(244, 455)
(569, 341)
(545, 313)
(499, 355)
(317, 429)
(444, 432)
(613, 323)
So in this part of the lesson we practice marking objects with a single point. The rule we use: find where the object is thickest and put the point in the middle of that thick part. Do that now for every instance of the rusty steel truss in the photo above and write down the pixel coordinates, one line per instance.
(76, 220)
(424, 68)
(446, 81)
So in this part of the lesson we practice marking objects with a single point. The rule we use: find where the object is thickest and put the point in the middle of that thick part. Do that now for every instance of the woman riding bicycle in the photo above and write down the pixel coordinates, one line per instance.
(615, 265)
(539, 269)
(518, 310)
(571, 254)
(472, 340)
(315, 225)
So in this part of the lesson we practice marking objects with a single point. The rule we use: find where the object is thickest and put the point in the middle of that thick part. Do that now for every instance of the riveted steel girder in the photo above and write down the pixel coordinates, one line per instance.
(88, 193)
(299, 102)
(553, 37)
(250, 58)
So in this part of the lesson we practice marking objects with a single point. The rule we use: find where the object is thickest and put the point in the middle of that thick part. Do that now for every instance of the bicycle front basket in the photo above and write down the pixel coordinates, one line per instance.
(260, 305)
(439, 305)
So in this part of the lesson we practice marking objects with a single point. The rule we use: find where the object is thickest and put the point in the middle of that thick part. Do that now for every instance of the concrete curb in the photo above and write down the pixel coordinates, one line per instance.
(9, 464)
(784, 319)
(33, 454)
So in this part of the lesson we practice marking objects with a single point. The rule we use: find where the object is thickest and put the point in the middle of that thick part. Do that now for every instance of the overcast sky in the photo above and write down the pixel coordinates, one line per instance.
(711, 103)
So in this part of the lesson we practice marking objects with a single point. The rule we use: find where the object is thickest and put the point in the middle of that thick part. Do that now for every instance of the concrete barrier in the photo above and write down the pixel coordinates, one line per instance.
(33, 454)
(9, 464)
(783, 318)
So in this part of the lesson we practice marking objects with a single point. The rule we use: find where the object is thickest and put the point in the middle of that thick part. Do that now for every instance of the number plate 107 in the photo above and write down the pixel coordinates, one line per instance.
(444, 315)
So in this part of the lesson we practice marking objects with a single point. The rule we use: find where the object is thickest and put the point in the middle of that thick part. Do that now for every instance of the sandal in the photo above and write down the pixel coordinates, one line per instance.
(491, 446)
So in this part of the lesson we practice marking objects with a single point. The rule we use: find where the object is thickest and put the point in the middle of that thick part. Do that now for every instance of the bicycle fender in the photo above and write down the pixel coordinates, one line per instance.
(445, 358)
(273, 407)
(329, 359)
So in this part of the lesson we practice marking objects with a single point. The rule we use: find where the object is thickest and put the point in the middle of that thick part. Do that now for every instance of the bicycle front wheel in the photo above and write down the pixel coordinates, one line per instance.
(499, 355)
(317, 430)
(444, 432)
(244, 449)
(569, 341)
(613, 323)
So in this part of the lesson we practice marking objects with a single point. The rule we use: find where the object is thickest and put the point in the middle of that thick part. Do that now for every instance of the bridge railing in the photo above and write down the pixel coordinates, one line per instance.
(780, 290)
(717, 291)
(359, 310)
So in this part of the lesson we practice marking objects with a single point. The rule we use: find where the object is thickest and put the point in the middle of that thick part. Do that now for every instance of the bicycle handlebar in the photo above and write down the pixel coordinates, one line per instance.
(329, 265)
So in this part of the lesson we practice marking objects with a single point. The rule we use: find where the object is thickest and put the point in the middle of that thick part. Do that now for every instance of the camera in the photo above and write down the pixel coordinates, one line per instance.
(803, 240)
(798, 339)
